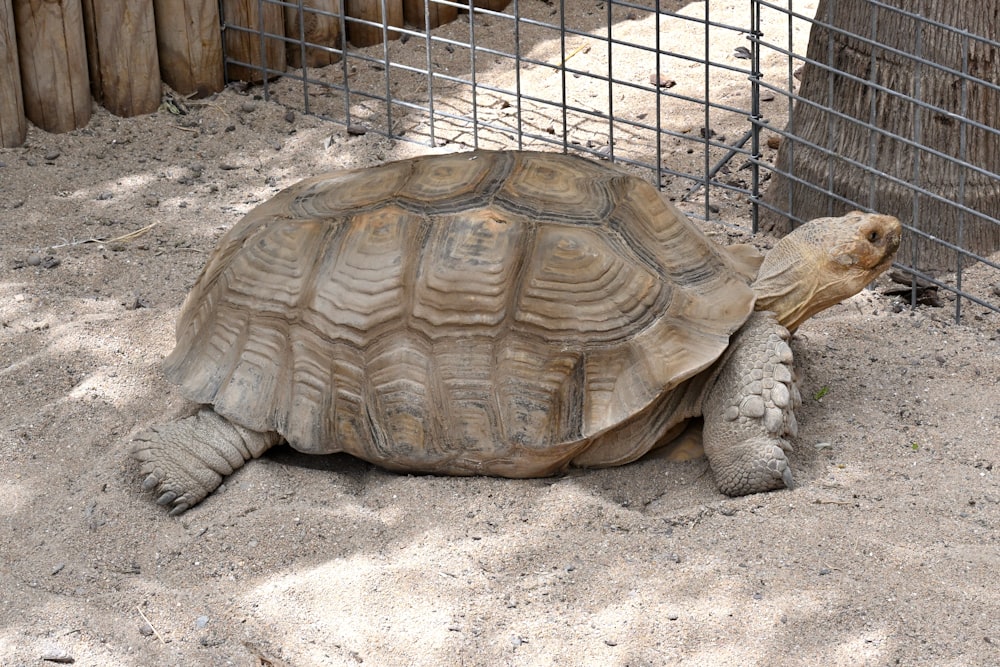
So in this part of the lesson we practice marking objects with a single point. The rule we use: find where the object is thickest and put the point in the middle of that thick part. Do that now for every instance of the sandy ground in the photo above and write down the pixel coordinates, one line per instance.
(885, 554)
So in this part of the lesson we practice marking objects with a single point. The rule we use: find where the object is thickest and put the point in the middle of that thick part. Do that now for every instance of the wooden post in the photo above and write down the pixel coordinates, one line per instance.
(413, 13)
(13, 128)
(245, 46)
(53, 56)
(371, 10)
(189, 38)
(492, 5)
(121, 50)
(318, 29)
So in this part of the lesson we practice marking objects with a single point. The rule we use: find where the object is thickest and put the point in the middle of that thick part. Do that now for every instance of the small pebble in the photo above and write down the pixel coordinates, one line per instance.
(248, 107)
(58, 568)
(146, 630)
(104, 196)
(823, 445)
(357, 130)
(34, 260)
(289, 116)
(57, 655)
(52, 155)
(824, 571)
(201, 622)
(672, 616)
(661, 80)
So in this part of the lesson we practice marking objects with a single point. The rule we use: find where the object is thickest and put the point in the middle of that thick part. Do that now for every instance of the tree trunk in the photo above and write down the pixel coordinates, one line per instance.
(923, 132)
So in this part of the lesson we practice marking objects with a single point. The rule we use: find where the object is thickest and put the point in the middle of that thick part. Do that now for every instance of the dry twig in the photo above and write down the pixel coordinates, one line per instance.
(155, 632)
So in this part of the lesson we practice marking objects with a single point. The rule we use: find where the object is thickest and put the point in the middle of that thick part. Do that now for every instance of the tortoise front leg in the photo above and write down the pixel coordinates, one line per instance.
(185, 460)
(749, 409)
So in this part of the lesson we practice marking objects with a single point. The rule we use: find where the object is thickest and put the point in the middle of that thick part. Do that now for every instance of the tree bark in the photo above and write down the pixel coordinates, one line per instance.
(868, 99)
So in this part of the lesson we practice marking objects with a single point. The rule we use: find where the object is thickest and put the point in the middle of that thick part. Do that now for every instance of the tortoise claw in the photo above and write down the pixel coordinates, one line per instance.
(152, 479)
(166, 498)
(786, 477)
(180, 509)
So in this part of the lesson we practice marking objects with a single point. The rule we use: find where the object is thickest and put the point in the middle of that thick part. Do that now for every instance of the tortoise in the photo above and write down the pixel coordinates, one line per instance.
(495, 313)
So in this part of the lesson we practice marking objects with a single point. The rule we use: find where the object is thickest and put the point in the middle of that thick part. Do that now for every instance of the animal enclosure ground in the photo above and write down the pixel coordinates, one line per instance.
(885, 554)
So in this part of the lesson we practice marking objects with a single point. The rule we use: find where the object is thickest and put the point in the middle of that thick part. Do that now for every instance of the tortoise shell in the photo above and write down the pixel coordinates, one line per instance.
(502, 313)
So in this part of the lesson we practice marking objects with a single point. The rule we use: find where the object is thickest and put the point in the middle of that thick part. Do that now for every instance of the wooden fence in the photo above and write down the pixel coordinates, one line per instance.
(56, 54)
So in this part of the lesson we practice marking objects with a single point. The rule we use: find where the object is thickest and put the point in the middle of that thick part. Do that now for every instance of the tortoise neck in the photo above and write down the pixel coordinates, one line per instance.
(789, 285)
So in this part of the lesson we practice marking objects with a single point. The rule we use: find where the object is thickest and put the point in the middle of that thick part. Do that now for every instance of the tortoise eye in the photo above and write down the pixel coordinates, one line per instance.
(874, 236)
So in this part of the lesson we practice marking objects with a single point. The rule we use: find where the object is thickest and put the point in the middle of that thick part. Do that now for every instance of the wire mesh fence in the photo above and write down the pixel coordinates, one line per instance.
(894, 110)
(695, 97)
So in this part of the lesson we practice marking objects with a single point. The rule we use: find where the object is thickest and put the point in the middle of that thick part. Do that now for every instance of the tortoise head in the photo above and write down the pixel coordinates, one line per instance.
(824, 262)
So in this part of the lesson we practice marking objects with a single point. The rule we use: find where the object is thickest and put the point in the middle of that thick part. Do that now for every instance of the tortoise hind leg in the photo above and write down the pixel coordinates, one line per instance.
(185, 460)
(750, 408)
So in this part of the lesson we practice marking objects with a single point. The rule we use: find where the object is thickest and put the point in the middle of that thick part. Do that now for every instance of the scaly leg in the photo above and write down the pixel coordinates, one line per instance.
(185, 460)
(750, 408)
